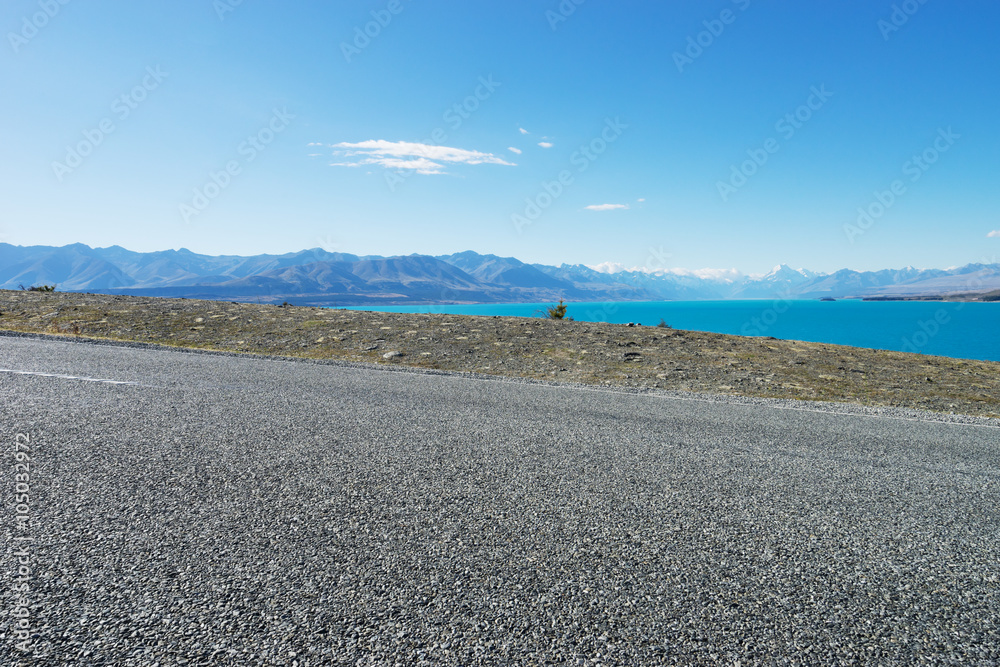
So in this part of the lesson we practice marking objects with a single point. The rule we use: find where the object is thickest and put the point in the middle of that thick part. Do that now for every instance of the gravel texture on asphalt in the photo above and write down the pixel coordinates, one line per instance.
(231, 510)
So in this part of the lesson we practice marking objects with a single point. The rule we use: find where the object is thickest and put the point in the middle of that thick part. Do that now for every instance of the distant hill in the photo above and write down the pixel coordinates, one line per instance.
(318, 277)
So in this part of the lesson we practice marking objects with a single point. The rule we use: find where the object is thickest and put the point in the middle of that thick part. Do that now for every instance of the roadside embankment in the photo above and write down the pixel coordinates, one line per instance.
(584, 352)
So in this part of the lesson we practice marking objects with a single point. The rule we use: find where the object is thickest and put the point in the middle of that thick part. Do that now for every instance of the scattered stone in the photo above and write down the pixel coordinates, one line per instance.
(528, 347)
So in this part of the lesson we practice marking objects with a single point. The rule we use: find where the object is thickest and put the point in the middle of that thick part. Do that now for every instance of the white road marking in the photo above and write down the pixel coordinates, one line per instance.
(69, 377)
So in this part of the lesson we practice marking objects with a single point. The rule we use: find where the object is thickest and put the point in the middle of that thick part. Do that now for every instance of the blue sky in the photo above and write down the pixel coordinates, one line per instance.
(722, 133)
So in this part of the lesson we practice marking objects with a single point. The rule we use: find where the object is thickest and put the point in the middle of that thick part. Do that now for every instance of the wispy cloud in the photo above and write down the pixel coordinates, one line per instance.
(606, 207)
(421, 158)
(717, 275)
(641, 199)
(545, 144)
(721, 275)
(514, 150)
(994, 234)
(523, 131)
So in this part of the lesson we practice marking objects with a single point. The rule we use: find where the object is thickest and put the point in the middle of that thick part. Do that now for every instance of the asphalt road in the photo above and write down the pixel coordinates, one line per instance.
(227, 510)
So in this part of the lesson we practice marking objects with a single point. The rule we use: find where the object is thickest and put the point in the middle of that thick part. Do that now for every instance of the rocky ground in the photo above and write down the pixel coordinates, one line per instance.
(583, 352)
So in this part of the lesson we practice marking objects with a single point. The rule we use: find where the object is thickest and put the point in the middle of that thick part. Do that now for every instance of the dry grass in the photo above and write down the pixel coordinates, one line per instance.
(584, 352)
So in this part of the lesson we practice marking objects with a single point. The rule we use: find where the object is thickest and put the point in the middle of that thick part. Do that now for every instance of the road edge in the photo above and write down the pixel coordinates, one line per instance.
(830, 407)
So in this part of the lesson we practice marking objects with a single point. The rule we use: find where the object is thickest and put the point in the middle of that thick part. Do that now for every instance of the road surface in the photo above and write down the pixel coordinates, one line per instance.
(189, 508)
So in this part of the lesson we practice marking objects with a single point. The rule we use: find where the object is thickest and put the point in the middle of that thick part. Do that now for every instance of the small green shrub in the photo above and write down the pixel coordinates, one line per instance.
(663, 324)
(557, 312)
(38, 288)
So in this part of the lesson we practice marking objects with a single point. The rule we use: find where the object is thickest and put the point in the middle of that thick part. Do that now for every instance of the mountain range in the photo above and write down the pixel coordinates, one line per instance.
(322, 278)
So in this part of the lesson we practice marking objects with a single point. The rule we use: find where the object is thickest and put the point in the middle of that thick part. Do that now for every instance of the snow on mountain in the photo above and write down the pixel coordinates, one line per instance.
(326, 277)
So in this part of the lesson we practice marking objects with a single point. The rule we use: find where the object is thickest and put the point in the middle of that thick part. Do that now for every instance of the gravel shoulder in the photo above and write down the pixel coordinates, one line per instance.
(581, 352)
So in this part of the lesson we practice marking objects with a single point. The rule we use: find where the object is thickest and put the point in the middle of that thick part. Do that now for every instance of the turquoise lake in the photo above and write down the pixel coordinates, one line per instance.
(960, 330)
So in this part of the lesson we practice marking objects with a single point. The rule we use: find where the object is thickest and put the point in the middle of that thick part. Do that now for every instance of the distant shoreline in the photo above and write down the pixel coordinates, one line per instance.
(365, 301)
(975, 297)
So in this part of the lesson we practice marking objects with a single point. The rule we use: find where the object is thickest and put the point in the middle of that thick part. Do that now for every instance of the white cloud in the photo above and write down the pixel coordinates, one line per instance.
(422, 158)
(545, 144)
(514, 150)
(523, 131)
(420, 165)
(606, 207)
(608, 267)
(314, 143)
(641, 199)
(994, 234)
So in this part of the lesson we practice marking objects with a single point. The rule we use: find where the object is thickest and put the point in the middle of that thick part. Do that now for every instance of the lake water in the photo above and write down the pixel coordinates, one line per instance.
(960, 330)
